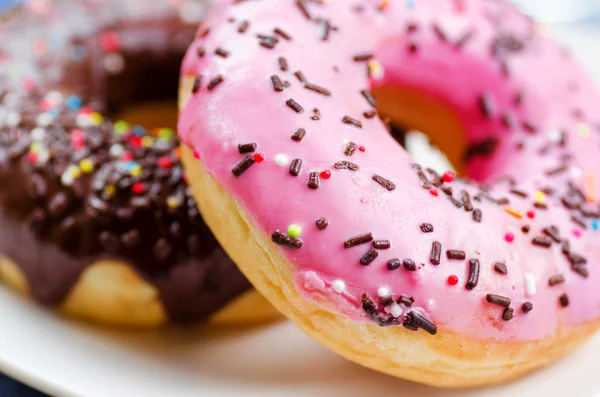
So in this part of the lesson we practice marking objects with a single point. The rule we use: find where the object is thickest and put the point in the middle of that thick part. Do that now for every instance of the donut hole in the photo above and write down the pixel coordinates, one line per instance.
(426, 128)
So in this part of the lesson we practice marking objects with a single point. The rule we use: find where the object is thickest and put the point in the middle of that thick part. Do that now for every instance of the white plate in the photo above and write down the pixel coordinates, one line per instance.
(67, 359)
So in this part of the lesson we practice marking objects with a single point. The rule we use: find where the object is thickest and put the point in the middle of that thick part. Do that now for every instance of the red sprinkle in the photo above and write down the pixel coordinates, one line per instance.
(138, 188)
(110, 42)
(127, 156)
(196, 155)
(326, 174)
(164, 162)
(530, 214)
(259, 157)
(509, 237)
(32, 157)
(433, 192)
(577, 233)
(361, 148)
(452, 280)
(448, 176)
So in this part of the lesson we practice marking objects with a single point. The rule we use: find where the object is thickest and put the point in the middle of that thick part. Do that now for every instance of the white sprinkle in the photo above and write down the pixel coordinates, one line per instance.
(54, 97)
(114, 63)
(383, 292)
(83, 120)
(12, 119)
(44, 119)
(555, 136)
(530, 284)
(11, 100)
(282, 160)
(576, 172)
(116, 150)
(43, 156)
(67, 178)
(38, 134)
(338, 286)
(396, 310)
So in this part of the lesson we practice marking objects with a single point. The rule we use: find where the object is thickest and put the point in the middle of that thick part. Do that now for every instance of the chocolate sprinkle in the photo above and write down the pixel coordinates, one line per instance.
(362, 57)
(317, 89)
(276, 81)
(477, 215)
(351, 121)
(415, 321)
(498, 300)
(350, 148)
(487, 105)
(243, 166)
(382, 244)
(527, 307)
(345, 165)
(283, 64)
(302, 6)
(508, 314)
(563, 300)
(500, 267)
(456, 255)
(466, 199)
(426, 227)
(357, 240)
(221, 52)
(243, 27)
(386, 183)
(544, 242)
(552, 232)
(215, 82)
(197, 83)
(525, 229)
(299, 135)
(286, 36)
(295, 106)
(436, 252)
(409, 264)
(286, 241)
(295, 167)
(556, 279)
(322, 223)
(369, 257)
(473, 274)
(393, 264)
(369, 97)
(314, 181)
(247, 147)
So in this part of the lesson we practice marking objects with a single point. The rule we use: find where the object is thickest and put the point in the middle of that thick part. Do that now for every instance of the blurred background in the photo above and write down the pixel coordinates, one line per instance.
(576, 22)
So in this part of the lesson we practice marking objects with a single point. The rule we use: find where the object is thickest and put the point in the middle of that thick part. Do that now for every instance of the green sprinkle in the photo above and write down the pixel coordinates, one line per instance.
(294, 231)
(165, 133)
(121, 127)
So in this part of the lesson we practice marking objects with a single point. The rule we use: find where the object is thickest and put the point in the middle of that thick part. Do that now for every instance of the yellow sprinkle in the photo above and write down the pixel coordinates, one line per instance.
(173, 202)
(583, 129)
(35, 147)
(383, 4)
(177, 152)
(109, 190)
(540, 197)
(375, 69)
(136, 170)
(74, 171)
(516, 213)
(86, 165)
(147, 141)
(96, 118)
(590, 188)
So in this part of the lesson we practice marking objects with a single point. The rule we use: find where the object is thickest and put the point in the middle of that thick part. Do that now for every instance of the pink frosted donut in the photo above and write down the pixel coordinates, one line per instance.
(424, 276)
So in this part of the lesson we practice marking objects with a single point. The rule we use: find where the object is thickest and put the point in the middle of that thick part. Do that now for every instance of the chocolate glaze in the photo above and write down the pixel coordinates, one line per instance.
(127, 200)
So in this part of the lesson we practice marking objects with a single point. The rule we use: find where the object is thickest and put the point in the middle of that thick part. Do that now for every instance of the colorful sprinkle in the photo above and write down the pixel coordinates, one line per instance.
(452, 280)
(294, 230)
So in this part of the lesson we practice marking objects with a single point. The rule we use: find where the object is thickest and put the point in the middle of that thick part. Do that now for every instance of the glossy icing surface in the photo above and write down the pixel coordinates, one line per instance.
(528, 112)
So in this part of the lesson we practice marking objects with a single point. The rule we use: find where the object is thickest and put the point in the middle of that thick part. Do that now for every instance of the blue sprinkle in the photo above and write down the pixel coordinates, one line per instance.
(54, 112)
(130, 164)
(410, 3)
(595, 224)
(74, 102)
(138, 130)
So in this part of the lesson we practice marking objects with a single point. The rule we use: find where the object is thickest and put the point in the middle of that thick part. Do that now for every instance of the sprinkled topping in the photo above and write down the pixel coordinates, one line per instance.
(221, 52)
(387, 184)
(436, 252)
(456, 255)
(300, 76)
(369, 257)
(382, 244)
(356, 240)
(414, 321)
(197, 83)
(295, 106)
(215, 82)
(345, 165)
(500, 267)
(409, 264)
(286, 241)
(362, 57)
(317, 89)
(544, 242)
(473, 274)
(426, 227)
(498, 300)
(283, 64)
(563, 300)
(322, 223)
(508, 314)
(295, 167)
(299, 135)
(527, 307)
(277, 84)
(294, 230)
(338, 286)
(243, 166)
(556, 279)
(477, 215)
(314, 180)
(247, 147)
(351, 121)
(393, 264)
(369, 97)
(350, 148)
(286, 36)
(243, 27)
(530, 284)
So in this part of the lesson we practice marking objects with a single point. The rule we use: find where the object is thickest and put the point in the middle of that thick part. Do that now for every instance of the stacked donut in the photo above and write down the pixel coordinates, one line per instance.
(96, 218)
(421, 275)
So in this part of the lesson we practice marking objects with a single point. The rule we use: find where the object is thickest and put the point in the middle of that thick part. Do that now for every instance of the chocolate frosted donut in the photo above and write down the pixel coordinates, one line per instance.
(95, 216)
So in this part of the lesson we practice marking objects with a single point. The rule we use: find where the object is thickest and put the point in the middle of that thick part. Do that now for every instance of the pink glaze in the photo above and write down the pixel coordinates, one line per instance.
(556, 95)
